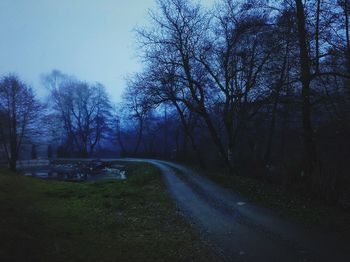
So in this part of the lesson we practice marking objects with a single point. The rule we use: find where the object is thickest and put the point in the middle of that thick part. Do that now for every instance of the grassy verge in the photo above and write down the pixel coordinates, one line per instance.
(130, 220)
(287, 203)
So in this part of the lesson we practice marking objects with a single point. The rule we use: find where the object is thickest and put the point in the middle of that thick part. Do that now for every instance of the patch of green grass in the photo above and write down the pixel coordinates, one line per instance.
(129, 220)
(293, 204)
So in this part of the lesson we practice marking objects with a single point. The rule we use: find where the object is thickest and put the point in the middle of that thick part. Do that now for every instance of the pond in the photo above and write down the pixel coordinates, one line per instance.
(76, 172)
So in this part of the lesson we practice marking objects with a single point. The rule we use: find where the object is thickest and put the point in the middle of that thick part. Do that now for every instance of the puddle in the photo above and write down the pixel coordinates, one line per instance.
(76, 172)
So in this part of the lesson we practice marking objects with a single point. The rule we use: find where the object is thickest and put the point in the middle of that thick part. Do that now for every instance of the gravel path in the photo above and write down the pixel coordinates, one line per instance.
(241, 231)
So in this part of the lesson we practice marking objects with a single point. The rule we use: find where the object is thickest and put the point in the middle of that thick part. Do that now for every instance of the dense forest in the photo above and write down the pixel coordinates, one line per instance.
(256, 88)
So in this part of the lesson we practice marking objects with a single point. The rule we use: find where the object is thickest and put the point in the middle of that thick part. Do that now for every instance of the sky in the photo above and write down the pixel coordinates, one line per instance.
(91, 39)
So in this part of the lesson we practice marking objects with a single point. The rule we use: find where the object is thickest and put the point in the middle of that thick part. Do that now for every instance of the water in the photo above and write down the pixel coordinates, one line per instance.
(75, 173)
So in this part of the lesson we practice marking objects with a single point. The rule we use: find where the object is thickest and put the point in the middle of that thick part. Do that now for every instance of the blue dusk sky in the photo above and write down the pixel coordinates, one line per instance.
(90, 39)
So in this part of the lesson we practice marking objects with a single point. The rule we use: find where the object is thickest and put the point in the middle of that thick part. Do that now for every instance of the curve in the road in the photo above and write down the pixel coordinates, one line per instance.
(242, 231)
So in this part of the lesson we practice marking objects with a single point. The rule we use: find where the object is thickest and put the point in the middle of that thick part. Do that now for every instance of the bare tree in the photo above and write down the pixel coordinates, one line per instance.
(83, 109)
(161, 86)
(253, 73)
(174, 40)
(236, 56)
(136, 100)
(19, 109)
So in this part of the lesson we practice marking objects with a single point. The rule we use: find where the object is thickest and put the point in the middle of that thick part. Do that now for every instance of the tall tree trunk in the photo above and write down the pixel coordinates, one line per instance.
(123, 152)
(13, 161)
(279, 85)
(217, 142)
(189, 135)
(267, 155)
(309, 154)
(347, 34)
(13, 134)
(230, 131)
(139, 136)
(166, 133)
(318, 12)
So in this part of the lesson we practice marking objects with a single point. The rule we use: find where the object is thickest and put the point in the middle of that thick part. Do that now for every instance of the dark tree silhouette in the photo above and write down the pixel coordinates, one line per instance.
(20, 110)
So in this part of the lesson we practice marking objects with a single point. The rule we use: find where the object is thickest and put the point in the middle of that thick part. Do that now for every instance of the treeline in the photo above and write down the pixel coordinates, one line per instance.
(81, 114)
(254, 87)
(19, 112)
(75, 119)
(258, 87)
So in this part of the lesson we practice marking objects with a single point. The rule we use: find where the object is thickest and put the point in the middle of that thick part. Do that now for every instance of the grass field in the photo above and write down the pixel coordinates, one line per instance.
(130, 220)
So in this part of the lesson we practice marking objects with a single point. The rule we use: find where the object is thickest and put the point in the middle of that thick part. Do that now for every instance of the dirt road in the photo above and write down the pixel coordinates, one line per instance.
(241, 231)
